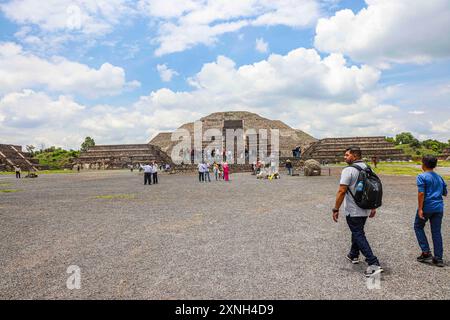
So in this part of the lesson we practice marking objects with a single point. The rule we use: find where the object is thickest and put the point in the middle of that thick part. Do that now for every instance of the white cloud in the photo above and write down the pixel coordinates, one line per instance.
(165, 73)
(181, 24)
(94, 17)
(301, 73)
(49, 26)
(323, 96)
(261, 45)
(293, 13)
(185, 24)
(401, 31)
(30, 117)
(442, 127)
(416, 112)
(168, 8)
(19, 109)
(21, 70)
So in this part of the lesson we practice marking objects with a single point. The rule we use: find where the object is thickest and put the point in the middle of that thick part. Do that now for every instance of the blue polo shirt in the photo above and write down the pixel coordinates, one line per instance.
(434, 187)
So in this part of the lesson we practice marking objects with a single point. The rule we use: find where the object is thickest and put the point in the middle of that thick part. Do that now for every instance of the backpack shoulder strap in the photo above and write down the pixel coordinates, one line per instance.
(355, 166)
(359, 170)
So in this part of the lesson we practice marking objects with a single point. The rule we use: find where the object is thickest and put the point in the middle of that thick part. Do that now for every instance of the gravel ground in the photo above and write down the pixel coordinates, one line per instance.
(246, 239)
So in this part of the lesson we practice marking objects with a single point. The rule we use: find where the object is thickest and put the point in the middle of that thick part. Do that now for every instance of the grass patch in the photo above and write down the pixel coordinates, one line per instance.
(116, 196)
(442, 163)
(9, 190)
(408, 169)
(398, 171)
(56, 172)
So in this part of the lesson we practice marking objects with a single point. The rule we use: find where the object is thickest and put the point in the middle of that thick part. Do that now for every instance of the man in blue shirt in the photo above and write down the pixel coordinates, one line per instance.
(431, 188)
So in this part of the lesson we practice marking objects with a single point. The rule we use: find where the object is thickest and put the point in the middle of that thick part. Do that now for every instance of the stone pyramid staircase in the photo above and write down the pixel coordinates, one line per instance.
(121, 156)
(12, 156)
(332, 149)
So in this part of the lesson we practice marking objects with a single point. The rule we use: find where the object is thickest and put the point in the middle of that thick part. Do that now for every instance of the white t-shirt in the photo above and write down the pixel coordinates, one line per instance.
(349, 176)
(201, 168)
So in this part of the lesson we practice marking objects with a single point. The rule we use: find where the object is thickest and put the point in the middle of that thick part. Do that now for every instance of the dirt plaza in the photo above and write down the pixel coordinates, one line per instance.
(181, 239)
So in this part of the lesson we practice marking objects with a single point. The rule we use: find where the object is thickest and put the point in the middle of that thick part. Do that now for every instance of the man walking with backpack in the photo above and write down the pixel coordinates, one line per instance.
(362, 192)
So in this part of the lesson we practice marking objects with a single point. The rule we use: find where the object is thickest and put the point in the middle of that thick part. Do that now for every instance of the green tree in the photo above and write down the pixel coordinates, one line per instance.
(434, 145)
(88, 142)
(406, 138)
(415, 143)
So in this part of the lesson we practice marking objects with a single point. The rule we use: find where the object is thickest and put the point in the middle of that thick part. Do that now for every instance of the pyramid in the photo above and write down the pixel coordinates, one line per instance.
(289, 138)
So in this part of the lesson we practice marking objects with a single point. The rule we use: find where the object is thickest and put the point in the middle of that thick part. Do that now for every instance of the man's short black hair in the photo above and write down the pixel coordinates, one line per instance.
(429, 161)
(354, 150)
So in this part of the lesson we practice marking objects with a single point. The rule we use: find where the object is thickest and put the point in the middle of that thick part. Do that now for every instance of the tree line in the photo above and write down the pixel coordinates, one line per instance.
(408, 139)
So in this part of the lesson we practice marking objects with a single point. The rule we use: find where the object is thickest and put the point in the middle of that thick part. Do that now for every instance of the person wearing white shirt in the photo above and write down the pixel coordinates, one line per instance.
(201, 172)
(147, 173)
(155, 173)
(18, 170)
(206, 172)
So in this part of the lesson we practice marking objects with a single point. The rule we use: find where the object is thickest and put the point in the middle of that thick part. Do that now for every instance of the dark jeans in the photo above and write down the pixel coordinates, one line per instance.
(207, 177)
(147, 178)
(155, 178)
(359, 240)
(17, 175)
(201, 176)
(435, 223)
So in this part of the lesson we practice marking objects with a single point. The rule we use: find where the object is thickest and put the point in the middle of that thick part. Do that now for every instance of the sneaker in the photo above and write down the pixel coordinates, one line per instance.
(373, 270)
(425, 257)
(352, 260)
(438, 262)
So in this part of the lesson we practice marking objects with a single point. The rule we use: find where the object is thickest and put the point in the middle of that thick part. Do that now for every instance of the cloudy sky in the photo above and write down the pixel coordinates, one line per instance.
(120, 71)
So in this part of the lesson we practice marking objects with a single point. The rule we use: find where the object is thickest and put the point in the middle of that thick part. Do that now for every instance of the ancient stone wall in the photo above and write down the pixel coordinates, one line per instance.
(121, 156)
(332, 149)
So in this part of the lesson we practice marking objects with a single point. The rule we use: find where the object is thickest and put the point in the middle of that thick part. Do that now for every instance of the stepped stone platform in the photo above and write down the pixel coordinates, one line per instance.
(332, 149)
(289, 138)
(12, 156)
(445, 154)
(121, 156)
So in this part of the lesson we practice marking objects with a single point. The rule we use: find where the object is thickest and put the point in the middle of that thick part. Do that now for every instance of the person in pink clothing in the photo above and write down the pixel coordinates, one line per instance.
(226, 171)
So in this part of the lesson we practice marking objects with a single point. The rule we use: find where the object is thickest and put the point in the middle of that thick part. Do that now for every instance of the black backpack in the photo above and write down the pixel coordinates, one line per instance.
(368, 190)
